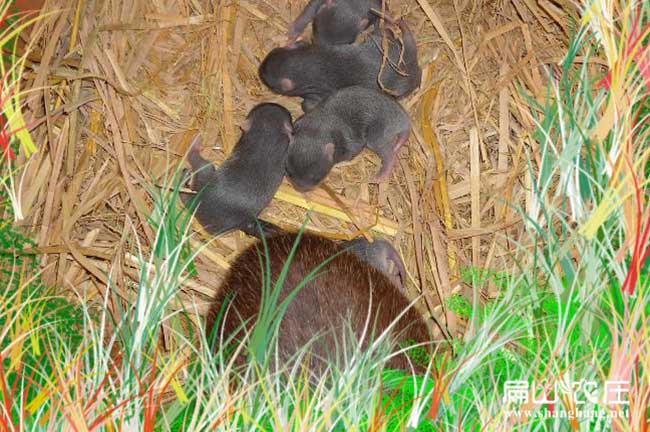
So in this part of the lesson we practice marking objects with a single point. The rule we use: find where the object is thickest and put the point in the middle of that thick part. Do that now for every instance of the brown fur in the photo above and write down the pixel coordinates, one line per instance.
(340, 291)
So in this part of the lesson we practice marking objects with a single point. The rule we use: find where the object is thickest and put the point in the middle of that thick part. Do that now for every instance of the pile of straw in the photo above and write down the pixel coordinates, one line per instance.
(126, 83)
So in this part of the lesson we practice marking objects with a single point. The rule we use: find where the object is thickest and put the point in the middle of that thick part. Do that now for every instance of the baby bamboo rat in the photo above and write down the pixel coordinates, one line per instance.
(335, 21)
(231, 196)
(314, 72)
(344, 290)
(339, 128)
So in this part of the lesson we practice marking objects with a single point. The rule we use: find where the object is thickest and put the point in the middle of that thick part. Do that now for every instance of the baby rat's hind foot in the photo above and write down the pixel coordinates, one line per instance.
(194, 153)
(292, 36)
(388, 159)
(203, 171)
(302, 21)
(384, 173)
(187, 180)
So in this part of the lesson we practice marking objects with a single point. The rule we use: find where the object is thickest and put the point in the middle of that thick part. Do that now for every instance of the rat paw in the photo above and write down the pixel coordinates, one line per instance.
(186, 178)
(381, 177)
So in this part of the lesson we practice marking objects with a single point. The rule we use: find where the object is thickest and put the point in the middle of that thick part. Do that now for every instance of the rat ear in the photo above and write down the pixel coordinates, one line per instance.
(328, 150)
(245, 126)
(286, 84)
(329, 2)
(363, 23)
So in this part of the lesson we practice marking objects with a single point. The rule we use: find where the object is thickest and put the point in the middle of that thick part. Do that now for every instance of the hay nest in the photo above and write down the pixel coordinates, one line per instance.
(126, 83)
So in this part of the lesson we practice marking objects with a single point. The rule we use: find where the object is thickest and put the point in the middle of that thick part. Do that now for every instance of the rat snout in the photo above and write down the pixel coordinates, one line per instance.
(299, 182)
(300, 187)
(304, 182)
(295, 182)
(302, 170)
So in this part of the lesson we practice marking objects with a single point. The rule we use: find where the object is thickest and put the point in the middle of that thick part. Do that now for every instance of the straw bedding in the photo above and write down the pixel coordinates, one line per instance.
(128, 82)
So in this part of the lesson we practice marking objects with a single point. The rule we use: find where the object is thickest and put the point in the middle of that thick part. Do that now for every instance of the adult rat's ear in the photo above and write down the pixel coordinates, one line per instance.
(328, 150)
(329, 2)
(245, 126)
(286, 84)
